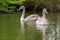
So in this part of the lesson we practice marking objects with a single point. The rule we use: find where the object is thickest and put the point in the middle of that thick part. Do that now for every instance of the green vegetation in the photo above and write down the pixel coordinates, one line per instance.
(11, 5)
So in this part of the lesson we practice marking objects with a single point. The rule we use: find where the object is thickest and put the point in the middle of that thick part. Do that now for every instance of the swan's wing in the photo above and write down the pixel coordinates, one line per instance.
(42, 23)
(31, 19)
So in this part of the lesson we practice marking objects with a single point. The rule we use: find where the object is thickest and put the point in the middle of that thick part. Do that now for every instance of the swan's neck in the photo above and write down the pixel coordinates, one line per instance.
(44, 15)
(23, 13)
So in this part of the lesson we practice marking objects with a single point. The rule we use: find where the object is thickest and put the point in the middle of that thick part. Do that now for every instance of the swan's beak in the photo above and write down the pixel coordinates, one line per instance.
(46, 12)
(19, 9)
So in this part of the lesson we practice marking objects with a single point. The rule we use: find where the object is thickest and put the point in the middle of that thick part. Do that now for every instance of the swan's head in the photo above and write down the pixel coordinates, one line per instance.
(45, 11)
(21, 7)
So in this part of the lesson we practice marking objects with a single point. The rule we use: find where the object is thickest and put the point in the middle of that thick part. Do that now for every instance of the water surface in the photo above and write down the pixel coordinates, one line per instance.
(10, 28)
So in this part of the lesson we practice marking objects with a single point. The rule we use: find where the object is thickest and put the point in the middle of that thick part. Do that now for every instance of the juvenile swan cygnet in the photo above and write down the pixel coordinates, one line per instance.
(30, 20)
(42, 23)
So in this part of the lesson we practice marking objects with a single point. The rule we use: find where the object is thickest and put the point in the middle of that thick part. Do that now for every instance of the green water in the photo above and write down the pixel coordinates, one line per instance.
(10, 28)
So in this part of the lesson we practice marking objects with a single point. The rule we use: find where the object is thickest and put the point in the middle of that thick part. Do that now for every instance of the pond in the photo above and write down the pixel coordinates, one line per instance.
(10, 28)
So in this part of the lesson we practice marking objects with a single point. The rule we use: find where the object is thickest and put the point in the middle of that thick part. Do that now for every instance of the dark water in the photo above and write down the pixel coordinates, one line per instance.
(54, 20)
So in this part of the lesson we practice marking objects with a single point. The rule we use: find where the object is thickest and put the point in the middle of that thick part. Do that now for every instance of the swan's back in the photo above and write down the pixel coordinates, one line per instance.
(32, 17)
